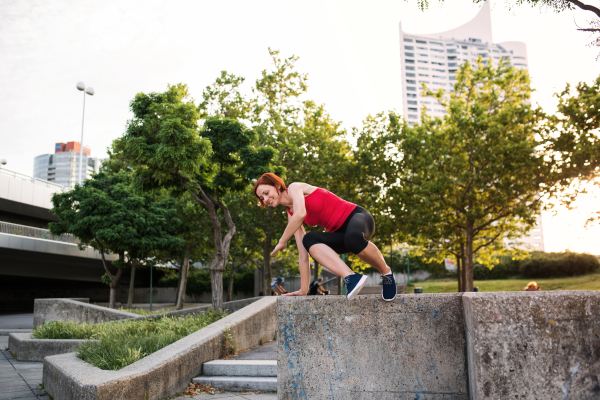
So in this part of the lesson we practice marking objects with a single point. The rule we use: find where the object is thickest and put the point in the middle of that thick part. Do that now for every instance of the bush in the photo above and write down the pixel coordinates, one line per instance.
(556, 265)
(539, 265)
(125, 342)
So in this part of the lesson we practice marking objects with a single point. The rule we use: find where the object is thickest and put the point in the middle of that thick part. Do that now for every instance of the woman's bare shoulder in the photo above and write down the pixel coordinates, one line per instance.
(304, 187)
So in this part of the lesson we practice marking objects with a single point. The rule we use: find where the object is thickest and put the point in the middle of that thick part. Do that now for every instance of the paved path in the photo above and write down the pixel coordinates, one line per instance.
(19, 380)
(265, 352)
(16, 321)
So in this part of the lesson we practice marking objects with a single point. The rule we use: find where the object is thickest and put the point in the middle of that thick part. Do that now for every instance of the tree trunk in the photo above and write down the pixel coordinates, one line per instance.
(267, 265)
(131, 284)
(463, 271)
(216, 283)
(316, 271)
(468, 256)
(230, 283)
(113, 288)
(183, 274)
(179, 280)
(459, 275)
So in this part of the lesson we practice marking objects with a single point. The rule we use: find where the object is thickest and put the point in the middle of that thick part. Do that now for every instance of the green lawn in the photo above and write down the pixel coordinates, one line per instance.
(585, 282)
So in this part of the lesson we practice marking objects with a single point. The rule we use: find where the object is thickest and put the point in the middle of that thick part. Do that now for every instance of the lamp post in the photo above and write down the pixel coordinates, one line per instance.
(407, 266)
(90, 91)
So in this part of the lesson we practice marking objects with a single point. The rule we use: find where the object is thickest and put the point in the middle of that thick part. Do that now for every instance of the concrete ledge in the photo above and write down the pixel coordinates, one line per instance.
(164, 372)
(46, 310)
(76, 310)
(24, 348)
(412, 347)
(239, 383)
(542, 345)
(241, 368)
(6, 332)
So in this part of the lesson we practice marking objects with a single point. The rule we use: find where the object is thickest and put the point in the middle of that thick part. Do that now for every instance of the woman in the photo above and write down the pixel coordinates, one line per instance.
(349, 227)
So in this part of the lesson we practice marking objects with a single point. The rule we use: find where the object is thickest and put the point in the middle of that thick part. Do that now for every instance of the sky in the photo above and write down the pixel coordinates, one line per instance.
(349, 49)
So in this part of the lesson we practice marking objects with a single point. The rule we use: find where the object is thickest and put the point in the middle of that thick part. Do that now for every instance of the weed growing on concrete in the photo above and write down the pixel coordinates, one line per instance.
(141, 311)
(229, 345)
(275, 337)
(125, 342)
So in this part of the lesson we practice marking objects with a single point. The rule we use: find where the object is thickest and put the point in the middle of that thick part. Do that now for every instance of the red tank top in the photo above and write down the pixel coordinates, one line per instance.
(325, 209)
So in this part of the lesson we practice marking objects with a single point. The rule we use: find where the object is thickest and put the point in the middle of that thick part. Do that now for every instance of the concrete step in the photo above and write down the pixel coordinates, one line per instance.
(262, 368)
(239, 383)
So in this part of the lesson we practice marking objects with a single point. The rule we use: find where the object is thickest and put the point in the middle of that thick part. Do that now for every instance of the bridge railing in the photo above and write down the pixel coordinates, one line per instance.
(36, 181)
(38, 233)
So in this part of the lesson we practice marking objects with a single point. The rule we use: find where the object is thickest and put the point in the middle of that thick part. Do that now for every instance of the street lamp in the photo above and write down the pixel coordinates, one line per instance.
(90, 91)
(407, 266)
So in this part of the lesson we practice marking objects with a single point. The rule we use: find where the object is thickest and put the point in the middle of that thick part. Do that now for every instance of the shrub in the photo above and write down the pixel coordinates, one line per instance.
(539, 265)
(556, 265)
(124, 342)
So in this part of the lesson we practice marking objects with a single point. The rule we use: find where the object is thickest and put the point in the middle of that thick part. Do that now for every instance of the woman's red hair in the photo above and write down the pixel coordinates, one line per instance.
(268, 179)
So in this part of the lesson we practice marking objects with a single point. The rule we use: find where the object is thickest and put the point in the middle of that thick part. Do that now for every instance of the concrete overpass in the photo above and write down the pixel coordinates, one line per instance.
(33, 262)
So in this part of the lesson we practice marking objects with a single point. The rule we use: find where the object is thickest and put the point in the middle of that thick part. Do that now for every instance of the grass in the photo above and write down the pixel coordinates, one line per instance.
(585, 282)
(141, 311)
(125, 342)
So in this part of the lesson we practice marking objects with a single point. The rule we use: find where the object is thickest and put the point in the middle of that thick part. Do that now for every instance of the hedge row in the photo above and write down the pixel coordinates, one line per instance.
(199, 281)
(540, 265)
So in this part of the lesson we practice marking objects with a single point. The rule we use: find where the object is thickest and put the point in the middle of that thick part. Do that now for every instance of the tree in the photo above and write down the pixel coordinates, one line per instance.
(554, 5)
(107, 214)
(167, 149)
(474, 177)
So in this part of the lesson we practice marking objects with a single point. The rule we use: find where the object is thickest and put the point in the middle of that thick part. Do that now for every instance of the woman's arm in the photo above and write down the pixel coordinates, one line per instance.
(295, 221)
(303, 263)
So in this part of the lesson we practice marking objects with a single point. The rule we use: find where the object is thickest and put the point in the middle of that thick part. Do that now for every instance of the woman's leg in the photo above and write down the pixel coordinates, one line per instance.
(327, 257)
(372, 256)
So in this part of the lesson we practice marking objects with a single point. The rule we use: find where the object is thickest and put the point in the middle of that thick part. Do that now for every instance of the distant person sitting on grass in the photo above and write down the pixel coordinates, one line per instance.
(277, 286)
(315, 288)
(532, 287)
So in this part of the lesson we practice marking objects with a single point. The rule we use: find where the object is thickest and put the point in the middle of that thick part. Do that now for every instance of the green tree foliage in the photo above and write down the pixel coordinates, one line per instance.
(573, 136)
(107, 214)
(472, 178)
(167, 149)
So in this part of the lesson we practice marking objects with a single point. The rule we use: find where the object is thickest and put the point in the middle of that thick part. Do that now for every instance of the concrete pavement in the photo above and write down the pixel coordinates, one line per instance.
(16, 321)
(19, 380)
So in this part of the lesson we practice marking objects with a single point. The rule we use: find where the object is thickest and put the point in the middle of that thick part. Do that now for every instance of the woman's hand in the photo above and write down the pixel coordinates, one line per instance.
(280, 246)
(298, 293)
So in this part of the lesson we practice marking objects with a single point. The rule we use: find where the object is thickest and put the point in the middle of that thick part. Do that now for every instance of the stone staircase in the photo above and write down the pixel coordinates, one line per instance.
(240, 375)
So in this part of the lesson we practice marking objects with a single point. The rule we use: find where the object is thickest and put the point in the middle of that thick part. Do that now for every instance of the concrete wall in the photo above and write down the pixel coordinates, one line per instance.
(71, 310)
(24, 348)
(413, 347)
(533, 345)
(164, 372)
(167, 295)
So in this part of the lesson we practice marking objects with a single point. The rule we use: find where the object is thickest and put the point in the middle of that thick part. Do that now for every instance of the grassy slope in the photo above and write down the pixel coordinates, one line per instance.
(586, 282)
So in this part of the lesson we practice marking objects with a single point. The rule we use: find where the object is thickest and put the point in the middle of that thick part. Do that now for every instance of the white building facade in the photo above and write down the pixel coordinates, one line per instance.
(435, 58)
(62, 167)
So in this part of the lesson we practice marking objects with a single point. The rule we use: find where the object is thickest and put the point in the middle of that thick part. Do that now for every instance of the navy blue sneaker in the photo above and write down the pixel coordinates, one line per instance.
(388, 290)
(354, 283)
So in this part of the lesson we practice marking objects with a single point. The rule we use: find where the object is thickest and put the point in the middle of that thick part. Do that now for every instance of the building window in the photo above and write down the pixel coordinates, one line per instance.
(412, 109)
(408, 40)
(421, 48)
(413, 116)
(410, 75)
(409, 47)
(407, 54)
(426, 82)
(438, 50)
(440, 57)
(424, 75)
(411, 95)
(410, 61)
(452, 64)
(463, 47)
(423, 55)
(435, 44)
(411, 81)
(473, 40)
(409, 68)
(451, 57)
(411, 88)
(425, 68)
(423, 61)
(437, 63)
(422, 41)
(438, 76)
(412, 102)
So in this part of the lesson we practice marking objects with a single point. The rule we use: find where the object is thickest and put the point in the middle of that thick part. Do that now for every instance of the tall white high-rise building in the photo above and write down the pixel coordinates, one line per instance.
(62, 167)
(435, 58)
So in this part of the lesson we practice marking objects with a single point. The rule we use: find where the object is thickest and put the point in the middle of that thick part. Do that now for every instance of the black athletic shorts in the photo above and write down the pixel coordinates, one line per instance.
(352, 237)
